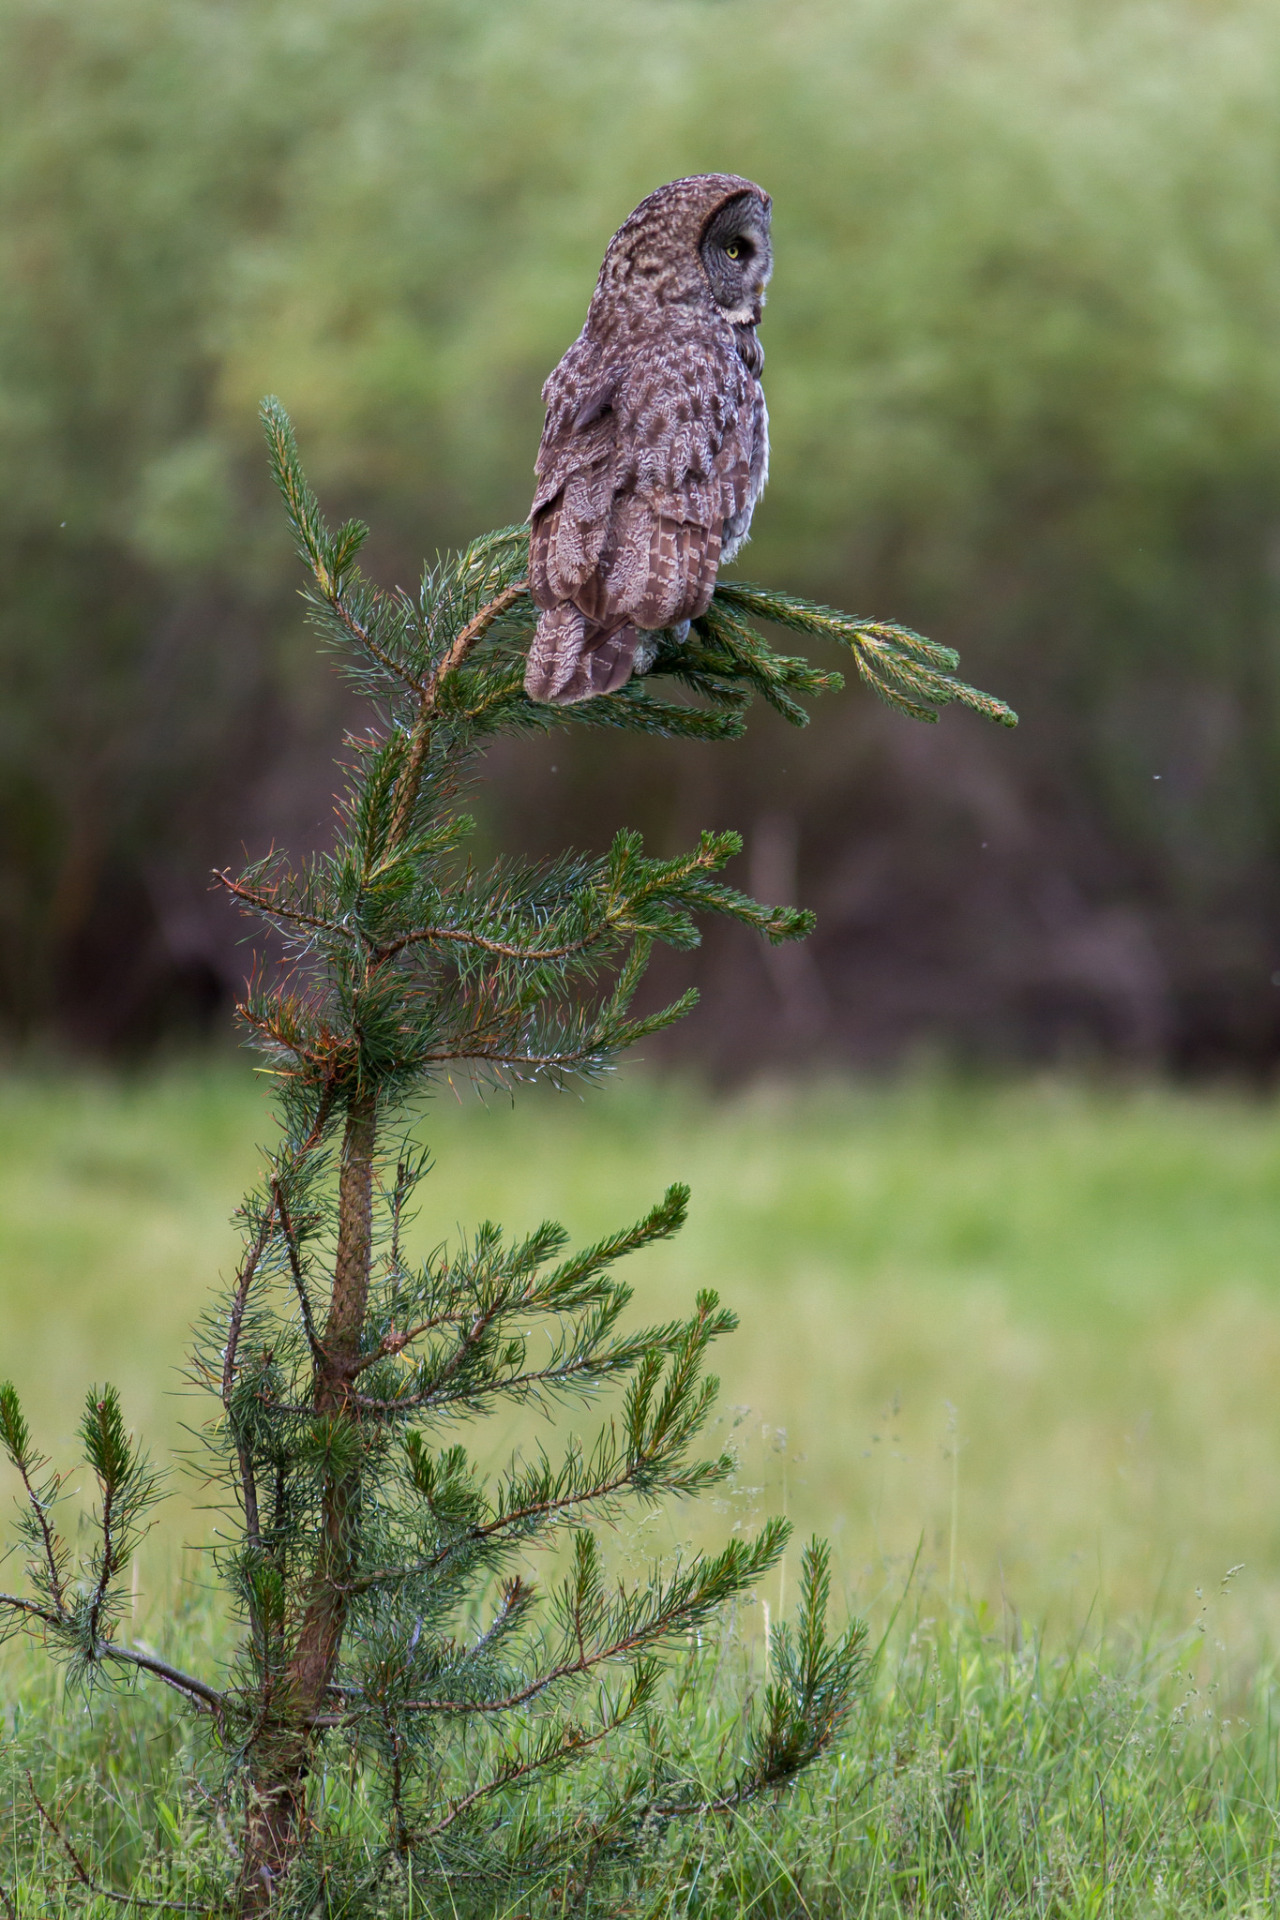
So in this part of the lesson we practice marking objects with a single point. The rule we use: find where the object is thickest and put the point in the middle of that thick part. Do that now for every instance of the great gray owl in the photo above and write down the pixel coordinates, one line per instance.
(656, 444)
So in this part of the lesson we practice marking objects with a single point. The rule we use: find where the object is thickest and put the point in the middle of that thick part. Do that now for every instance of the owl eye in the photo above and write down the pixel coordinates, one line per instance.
(734, 250)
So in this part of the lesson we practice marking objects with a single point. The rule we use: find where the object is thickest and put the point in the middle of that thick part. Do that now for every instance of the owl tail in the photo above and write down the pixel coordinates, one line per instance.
(572, 660)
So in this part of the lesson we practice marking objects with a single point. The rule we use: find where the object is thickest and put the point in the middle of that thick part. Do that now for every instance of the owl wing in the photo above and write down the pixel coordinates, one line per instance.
(640, 466)
(575, 468)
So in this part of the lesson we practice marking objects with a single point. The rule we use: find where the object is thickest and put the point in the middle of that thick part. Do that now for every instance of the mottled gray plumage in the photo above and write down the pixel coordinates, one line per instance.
(656, 443)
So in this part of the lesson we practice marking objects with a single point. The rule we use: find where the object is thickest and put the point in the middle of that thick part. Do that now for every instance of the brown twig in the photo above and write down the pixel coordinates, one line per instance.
(403, 1188)
(295, 1269)
(265, 903)
(240, 1300)
(493, 1056)
(504, 950)
(244, 1282)
(473, 631)
(86, 1878)
(393, 1343)
(29, 1606)
(610, 921)
(470, 1339)
(324, 1107)
(47, 1534)
(360, 632)
(395, 1743)
(314, 1056)
(410, 780)
(583, 1664)
(207, 1698)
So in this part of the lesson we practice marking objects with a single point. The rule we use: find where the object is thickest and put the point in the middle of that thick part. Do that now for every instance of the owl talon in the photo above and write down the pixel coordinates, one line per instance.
(650, 644)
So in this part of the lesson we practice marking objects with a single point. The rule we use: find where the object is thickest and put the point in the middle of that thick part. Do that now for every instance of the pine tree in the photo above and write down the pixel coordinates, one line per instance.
(364, 1545)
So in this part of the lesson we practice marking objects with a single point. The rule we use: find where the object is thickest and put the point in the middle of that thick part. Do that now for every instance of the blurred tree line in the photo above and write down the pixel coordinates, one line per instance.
(1024, 381)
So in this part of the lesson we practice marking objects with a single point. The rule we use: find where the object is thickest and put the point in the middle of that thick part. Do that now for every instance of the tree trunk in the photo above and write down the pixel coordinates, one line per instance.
(284, 1750)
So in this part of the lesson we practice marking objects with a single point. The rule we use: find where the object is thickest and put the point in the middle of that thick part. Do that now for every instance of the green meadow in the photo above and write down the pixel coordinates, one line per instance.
(1032, 1330)
(1013, 1347)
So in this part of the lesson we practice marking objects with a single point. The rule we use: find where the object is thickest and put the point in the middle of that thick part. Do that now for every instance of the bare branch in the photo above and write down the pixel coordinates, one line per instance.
(207, 1699)
(504, 950)
(266, 903)
(29, 1606)
(83, 1875)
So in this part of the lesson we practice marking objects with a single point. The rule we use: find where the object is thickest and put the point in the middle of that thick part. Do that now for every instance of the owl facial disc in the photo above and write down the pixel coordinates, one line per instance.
(737, 257)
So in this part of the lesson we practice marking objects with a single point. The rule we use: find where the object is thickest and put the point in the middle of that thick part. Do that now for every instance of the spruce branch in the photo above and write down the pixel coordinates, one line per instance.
(901, 667)
(295, 1267)
(42, 1488)
(558, 1748)
(410, 781)
(265, 902)
(127, 1488)
(329, 557)
(245, 1277)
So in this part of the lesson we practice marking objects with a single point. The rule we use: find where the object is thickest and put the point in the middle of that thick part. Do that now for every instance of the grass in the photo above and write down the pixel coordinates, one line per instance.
(1013, 1347)
(985, 1775)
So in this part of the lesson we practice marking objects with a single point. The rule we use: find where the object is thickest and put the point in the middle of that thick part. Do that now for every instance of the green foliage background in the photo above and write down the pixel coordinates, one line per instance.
(1025, 395)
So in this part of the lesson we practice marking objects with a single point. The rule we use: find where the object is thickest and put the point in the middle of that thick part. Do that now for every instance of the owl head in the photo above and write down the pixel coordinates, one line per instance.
(699, 241)
(737, 257)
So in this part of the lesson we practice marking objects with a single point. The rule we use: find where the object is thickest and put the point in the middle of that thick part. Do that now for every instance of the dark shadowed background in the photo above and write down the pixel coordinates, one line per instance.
(1024, 377)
